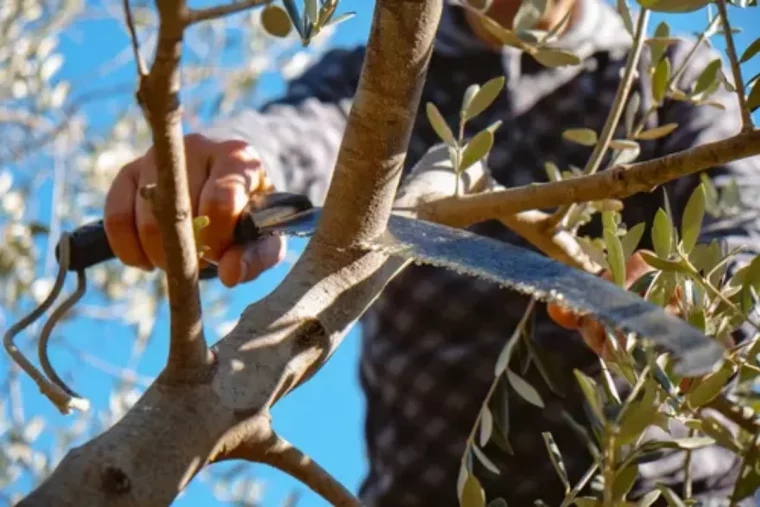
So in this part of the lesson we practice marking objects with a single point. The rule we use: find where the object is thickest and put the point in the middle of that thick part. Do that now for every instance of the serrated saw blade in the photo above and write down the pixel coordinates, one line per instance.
(533, 274)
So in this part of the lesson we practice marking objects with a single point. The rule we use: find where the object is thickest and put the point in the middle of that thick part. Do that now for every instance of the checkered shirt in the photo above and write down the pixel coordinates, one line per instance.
(431, 340)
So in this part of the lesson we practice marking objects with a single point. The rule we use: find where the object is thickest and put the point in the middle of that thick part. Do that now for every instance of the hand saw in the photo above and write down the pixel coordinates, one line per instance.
(509, 266)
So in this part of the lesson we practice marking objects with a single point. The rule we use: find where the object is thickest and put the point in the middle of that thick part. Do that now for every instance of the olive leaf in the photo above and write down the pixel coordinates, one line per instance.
(472, 493)
(753, 100)
(660, 79)
(439, 125)
(483, 97)
(615, 257)
(469, 93)
(586, 137)
(749, 476)
(707, 77)
(485, 460)
(555, 57)
(657, 132)
(625, 14)
(751, 51)
(524, 389)
(693, 215)
(632, 238)
(486, 426)
(656, 44)
(528, 14)
(556, 458)
(709, 387)
(590, 391)
(662, 234)
(476, 149)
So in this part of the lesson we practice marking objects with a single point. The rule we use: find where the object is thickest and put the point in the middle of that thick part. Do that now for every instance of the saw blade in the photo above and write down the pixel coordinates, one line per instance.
(535, 275)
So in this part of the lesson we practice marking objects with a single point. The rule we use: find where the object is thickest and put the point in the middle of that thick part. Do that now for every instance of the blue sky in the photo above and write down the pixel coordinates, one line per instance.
(323, 417)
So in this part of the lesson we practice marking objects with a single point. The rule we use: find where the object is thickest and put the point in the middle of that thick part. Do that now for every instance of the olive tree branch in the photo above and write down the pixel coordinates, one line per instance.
(158, 95)
(735, 70)
(615, 183)
(277, 452)
(197, 15)
(177, 428)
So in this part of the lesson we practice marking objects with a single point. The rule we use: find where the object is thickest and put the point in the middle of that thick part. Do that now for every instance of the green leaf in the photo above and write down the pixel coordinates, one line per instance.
(693, 215)
(721, 434)
(528, 14)
(590, 391)
(486, 426)
(552, 171)
(340, 18)
(586, 137)
(608, 221)
(708, 76)
(660, 80)
(587, 501)
(439, 125)
(692, 443)
(506, 352)
(650, 498)
(631, 109)
(749, 476)
(507, 37)
(476, 149)
(615, 257)
(549, 57)
(664, 265)
(624, 481)
(670, 496)
(484, 97)
(625, 14)
(469, 93)
(662, 234)
(485, 460)
(657, 132)
(311, 9)
(751, 51)
(492, 128)
(673, 5)
(623, 144)
(524, 389)
(276, 21)
(556, 458)
(658, 43)
(472, 493)
(753, 100)
(632, 238)
(709, 387)
(638, 414)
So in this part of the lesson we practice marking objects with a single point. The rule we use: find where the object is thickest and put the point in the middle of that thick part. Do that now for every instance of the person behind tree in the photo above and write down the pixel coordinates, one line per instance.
(431, 340)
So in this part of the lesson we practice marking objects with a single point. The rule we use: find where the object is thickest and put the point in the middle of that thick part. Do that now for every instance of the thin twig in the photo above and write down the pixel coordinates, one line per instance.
(197, 15)
(616, 183)
(142, 68)
(731, 52)
(277, 452)
(618, 106)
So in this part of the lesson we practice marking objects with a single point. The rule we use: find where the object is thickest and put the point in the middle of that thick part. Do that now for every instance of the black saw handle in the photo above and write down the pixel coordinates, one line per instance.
(89, 243)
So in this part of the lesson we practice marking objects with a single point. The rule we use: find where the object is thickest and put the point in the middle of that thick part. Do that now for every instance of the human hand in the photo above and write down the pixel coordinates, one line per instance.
(592, 331)
(222, 177)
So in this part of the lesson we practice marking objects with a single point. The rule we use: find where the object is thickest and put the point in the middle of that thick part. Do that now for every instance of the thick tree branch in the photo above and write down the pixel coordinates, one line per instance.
(159, 97)
(735, 70)
(177, 428)
(616, 183)
(197, 15)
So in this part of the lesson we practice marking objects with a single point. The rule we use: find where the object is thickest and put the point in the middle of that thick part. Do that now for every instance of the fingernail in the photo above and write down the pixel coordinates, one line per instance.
(260, 256)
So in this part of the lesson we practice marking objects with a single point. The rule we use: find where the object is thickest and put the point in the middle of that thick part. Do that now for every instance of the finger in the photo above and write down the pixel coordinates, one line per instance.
(243, 264)
(235, 175)
(198, 151)
(119, 217)
(563, 316)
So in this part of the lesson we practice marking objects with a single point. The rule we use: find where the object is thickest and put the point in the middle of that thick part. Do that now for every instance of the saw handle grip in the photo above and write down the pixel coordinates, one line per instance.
(89, 244)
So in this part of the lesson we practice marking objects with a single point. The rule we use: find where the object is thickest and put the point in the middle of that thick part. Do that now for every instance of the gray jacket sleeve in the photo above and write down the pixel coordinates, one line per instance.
(702, 124)
(298, 136)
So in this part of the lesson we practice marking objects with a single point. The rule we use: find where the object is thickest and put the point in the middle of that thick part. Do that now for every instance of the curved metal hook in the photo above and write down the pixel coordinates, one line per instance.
(60, 398)
(47, 329)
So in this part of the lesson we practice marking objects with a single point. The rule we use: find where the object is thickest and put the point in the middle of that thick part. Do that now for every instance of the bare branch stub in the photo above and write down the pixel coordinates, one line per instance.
(159, 98)
(142, 68)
